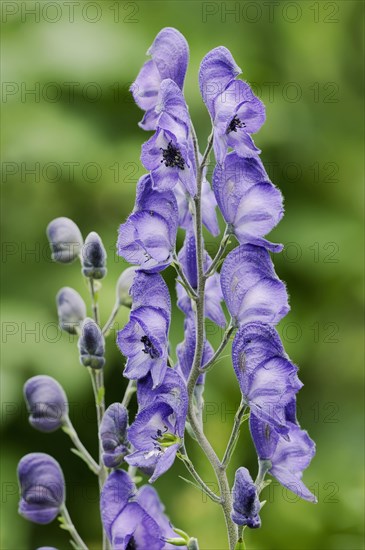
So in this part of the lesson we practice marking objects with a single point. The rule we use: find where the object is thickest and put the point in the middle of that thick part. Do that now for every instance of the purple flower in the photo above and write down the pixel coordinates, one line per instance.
(251, 205)
(288, 456)
(113, 435)
(42, 487)
(168, 154)
(65, 240)
(158, 429)
(71, 309)
(93, 257)
(246, 504)
(251, 288)
(236, 112)
(209, 204)
(133, 519)
(91, 345)
(46, 403)
(148, 237)
(170, 55)
(267, 379)
(144, 340)
(213, 294)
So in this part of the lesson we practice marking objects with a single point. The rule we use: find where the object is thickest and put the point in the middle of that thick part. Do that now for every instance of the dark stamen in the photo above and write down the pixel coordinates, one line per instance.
(234, 124)
(149, 347)
(172, 156)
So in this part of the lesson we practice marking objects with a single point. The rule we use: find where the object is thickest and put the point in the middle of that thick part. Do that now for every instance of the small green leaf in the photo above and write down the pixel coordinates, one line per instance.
(176, 542)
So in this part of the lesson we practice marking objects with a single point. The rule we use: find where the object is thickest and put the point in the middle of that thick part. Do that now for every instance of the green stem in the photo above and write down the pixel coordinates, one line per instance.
(82, 451)
(108, 325)
(221, 250)
(69, 526)
(190, 467)
(130, 390)
(226, 336)
(234, 435)
(226, 499)
(97, 380)
(179, 270)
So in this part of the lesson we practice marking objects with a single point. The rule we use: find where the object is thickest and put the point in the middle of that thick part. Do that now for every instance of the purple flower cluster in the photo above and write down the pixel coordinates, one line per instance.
(175, 195)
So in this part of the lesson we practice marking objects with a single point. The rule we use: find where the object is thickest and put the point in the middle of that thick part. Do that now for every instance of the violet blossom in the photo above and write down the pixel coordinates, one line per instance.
(113, 435)
(246, 503)
(170, 56)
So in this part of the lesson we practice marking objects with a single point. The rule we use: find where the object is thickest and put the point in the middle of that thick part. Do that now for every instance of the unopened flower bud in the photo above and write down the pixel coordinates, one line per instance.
(91, 345)
(113, 435)
(46, 403)
(246, 504)
(93, 257)
(65, 240)
(71, 309)
(42, 487)
(124, 284)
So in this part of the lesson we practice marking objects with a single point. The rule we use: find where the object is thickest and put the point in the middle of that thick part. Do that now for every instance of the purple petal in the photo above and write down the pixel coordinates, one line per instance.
(146, 86)
(151, 290)
(246, 503)
(216, 71)
(117, 490)
(42, 487)
(170, 53)
(251, 288)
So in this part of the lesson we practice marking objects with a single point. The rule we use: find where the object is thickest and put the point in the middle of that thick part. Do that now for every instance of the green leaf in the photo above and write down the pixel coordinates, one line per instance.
(200, 489)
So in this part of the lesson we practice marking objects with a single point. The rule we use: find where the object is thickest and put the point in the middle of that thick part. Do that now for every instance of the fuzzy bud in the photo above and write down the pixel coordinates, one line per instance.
(91, 345)
(93, 257)
(65, 240)
(71, 309)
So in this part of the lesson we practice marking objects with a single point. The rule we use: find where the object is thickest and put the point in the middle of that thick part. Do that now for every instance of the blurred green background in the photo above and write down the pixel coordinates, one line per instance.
(71, 146)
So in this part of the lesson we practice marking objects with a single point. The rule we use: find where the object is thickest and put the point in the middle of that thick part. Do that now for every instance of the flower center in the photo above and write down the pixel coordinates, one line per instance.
(149, 347)
(234, 124)
(172, 156)
(131, 544)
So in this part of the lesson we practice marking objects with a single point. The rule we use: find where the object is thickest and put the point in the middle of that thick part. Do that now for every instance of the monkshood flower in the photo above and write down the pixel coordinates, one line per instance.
(168, 154)
(246, 503)
(209, 204)
(185, 351)
(170, 56)
(235, 111)
(144, 339)
(251, 205)
(42, 487)
(65, 240)
(158, 429)
(288, 456)
(93, 257)
(133, 519)
(71, 309)
(267, 379)
(91, 345)
(113, 435)
(46, 403)
(213, 294)
(148, 237)
(251, 288)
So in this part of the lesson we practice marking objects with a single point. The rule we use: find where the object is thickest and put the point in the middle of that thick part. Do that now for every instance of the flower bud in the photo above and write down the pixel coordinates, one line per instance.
(46, 403)
(91, 345)
(65, 240)
(113, 435)
(42, 487)
(246, 504)
(123, 287)
(93, 257)
(71, 309)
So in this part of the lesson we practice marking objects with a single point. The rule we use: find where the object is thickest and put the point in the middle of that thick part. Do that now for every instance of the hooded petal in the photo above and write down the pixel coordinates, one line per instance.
(251, 288)
(134, 528)
(160, 202)
(170, 53)
(117, 491)
(150, 290)
(217, 69)
(113, 435)
(267, 379)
